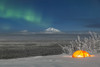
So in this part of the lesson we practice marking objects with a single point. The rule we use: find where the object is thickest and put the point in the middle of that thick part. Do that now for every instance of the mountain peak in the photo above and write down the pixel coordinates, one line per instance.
(52, 30)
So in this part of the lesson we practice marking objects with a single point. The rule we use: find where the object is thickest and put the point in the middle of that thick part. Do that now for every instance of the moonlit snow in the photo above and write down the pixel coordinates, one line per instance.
(52, 61)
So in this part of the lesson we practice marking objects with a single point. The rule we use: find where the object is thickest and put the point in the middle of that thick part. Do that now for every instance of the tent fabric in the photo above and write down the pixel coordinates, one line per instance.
(80, 54)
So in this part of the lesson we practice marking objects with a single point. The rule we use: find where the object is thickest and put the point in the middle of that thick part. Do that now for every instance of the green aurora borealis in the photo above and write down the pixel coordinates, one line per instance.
(18, 12)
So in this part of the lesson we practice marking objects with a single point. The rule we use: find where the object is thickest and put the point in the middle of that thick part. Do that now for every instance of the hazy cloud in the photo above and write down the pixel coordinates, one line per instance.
(96, 25)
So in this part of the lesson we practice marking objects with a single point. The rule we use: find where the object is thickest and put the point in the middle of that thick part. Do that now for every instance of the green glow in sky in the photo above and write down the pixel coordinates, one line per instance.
(17, 12)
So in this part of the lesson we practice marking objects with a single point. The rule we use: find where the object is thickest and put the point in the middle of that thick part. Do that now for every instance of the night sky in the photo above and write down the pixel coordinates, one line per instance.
(37, 15)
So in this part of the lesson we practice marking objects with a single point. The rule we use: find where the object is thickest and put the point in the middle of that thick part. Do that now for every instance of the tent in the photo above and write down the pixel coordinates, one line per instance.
(80, 54)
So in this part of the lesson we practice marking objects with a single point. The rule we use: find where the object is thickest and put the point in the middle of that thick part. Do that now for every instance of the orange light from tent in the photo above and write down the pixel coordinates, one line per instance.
(81, 54)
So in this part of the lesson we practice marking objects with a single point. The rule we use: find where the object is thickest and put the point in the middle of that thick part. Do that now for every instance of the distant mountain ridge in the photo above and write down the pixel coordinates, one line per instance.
(52, 30)
(49, 30)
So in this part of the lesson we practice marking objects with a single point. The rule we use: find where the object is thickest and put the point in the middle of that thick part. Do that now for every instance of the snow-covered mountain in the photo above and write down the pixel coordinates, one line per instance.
(52, 30)
(49, 30)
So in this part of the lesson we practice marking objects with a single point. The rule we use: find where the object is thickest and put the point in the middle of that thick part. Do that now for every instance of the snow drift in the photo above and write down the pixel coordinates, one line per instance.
(52, 61)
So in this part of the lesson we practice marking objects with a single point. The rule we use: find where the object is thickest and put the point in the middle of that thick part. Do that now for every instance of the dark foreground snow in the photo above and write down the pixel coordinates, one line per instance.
(52, 61)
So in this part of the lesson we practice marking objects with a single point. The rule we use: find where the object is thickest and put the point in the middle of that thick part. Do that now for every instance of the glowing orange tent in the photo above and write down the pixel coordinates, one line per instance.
(80, 54)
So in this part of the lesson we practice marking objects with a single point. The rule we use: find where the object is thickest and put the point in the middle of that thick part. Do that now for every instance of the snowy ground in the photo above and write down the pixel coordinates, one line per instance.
(52, 61)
